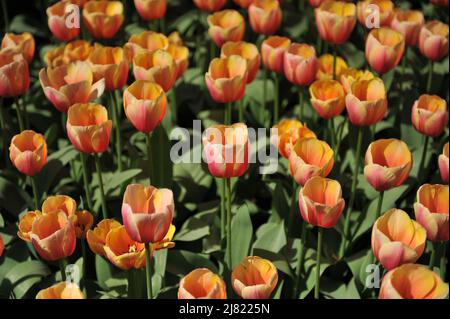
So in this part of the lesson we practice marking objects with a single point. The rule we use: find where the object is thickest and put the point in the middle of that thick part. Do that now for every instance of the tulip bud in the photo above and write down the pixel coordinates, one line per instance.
(201, 283)
(20, 44)
(429, 115)
(327, 98)
(300, 64)
(433, 40)
(265, 16)
(272, 51)
(226, 25)
(289, 132)
(58, 14)
(25, 224)
(408, 23)
(14, 74)
(62, 290)
(210, 5)
(247, 51)
(443, 163)
(103, 18)
(96, 238)
(335, 20)
(28, 152)
(325, 67)
(365, 10)
(151, 9)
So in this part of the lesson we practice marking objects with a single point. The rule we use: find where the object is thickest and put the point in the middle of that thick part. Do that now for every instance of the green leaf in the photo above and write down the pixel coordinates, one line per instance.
(181, 262)
(241, 235)
(197, 226)
(270, 237)
(25, 275)
(119, 178)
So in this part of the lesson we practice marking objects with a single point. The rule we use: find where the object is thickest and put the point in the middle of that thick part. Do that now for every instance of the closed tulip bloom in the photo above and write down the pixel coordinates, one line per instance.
(272, 52)
(320, 201)
(265, 16)
(397, 239)
(226, 150)
(367, 102)
(365, 8)
(254, 278)
(180, 55)
(384, 49)
(145, 105)
(70, 84)
(429, 115)
(351, 75)
(103, 18)
(151, 9)
(20, 44)
(226, 79)
(433, 40)
(147, 212)
(226, 25)
(388, 163)
(28, 152)
(412, 281)
(157, 66)
(408, 23)
(83, 223)
(443, 163)
(96, 237)
(300, 64)
(289, 132)
(53, 236)
(431, 209)
(202, 283)
(310, 157)
(210, 5)
(327, 98)
(62, 290)
(122, 251)
(244, 4)
(335, 20)
(14, 74)
(109, 63)
(25, 224)
(325, 67)
(88, 127)
(146, 41)
(60, 203)
(58, 14)
(246, 50)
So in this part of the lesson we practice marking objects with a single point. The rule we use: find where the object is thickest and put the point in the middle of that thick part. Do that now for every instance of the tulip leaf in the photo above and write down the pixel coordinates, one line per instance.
(25, 275)
(270, 237)
(181, 262)
(241, 235)
(197, 226)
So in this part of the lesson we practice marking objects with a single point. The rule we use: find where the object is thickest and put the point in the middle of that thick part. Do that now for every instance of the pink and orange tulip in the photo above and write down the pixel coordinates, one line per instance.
(14, 74)
(325, 67)
(103, 18)
(246, 50)
(300, 64)
(265, 16)
(57, 15)
(180, 55)
(335, 20)
(433, 40)
(385, 9)
(96, 237)
(288, 133)
(146, 41)
(327, 98)
(62, 290)
(273, 50)
(351, 75)
(226, 25)
(210, 5)
(429, 115)
(151, 9)
(25, 224)
(20, 44)
(28, 152)
(443, 163)
(202, 283)
(408, 23)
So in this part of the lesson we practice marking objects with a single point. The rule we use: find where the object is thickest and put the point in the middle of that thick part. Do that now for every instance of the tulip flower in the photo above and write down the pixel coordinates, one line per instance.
(166, 242)
(78, 50)
(289, 132)
(14, 74)
(25, 224)
(145, 105)
(175, 38)
(53, 236)
(384, 49)
(103, 18)
(151, 9)
(443, 163)
(365, 8)
(429, 115)
(408, 23)
(265, 16)
(246, 50)
(335, 20)
(327, 98)
(147, 41)
(411, 281)
(431, 209)
(226, 25)
(83, 223)
(28, 152)
(351, 75)
(58, 15)
(210, 5)
(325, 67)
(60, 203)
(310, 157)
(157, 66)
(254, 278)
(273, 50)
(19, 44)
(388, 164)
(367, 102)
(96, 238)
(397, 239)
(202, 283)
(55, 57)
(180, 55)
(70, 84)
(244, 4)
(62, 290)
(433, 40)
(300, 64)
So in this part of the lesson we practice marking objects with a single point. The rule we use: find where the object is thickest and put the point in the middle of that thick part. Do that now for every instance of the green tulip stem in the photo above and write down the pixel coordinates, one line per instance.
(228, 195)
(87, 187)
(148, 271)
(100, 183)
(35, 192)
(319, 252)
(114, 106)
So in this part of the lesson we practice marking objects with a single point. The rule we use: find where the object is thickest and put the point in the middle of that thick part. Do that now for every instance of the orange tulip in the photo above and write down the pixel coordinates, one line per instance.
(289, 132)
(367, 102)
(151, 9)
(246, 50)
(14, 74)
(327, 98)
(310, 157)
(254, 278)
(431, 211)
(78, 50)
(68, 84)
(300, 64)
(55, 57)
(96, 238)
(157, 66)
(60, 203)
(351, 75)
(201, 283)
(2, 245)
(122, 251)
(429, 115)
(320, 201)
(226, 149)
(25, 224)
(388, 163)
(28, 152)
(385, 10)
(103, 18)
(147, 212)
(273, 50)
(226, 79)
(384, 49)
(265, 16)
(145, 105)
(397, 239)
(53, 236)
(408, 23)
(335, 20)
(443, 163)
(180, 55)
(109, 63)
(433, 40)
(244, 4)
(88, 127)
(325, 67)
(412, 281)
(58, 14)
(226, 25)
(175, 39)
(210, 5)
(62, 290)
(147, 41)
(84, 221)
(20, 44)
